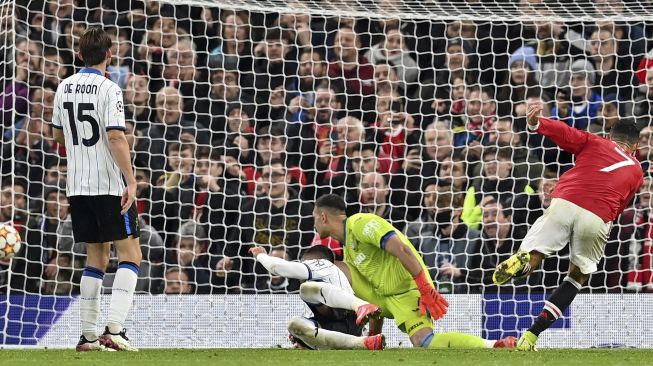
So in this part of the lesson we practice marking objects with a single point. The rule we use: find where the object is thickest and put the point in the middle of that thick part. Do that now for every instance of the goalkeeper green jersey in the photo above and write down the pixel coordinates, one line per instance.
(365, 238)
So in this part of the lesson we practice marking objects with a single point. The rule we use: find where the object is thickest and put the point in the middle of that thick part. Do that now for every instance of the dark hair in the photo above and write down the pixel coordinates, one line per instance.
(278, 162)
(625, 130)
(320, 251)
(332, 202)
(94, 45)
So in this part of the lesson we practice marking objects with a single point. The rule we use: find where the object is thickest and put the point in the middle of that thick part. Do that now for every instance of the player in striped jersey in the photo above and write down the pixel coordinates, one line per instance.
(337, 325)
(89, 120)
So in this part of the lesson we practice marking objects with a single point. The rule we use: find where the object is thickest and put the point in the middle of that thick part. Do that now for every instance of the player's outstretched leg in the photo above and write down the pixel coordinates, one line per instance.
(462, 341)
(124, 284)
(318, 338)
(335, 297)
(554, 306)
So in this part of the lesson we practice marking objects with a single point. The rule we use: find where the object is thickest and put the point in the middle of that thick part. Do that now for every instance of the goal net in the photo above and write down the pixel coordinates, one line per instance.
(241, 113)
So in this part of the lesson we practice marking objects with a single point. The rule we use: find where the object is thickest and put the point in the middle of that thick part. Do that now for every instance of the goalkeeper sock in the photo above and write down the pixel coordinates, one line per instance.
(454, 340)
(318, 338)
(122, 295)
(90, 288)
(329, 295)
(555, 305)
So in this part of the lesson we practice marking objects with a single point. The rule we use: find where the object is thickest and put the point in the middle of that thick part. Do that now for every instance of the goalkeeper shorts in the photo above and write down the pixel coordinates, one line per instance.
(565, 222)
(403, 308)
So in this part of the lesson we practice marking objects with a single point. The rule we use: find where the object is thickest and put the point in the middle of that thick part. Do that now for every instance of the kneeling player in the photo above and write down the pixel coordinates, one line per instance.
(338, 326)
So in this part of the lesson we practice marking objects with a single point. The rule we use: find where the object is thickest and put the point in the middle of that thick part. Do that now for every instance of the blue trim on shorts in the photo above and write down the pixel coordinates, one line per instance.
(93, 272)
(385, 238)
(127, 227)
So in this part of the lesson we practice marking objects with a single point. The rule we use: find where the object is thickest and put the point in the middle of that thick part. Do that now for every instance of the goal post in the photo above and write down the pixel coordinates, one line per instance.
(241, 113)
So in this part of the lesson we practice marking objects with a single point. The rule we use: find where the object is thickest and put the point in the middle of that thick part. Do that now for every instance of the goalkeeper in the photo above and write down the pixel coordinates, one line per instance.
(386, 270)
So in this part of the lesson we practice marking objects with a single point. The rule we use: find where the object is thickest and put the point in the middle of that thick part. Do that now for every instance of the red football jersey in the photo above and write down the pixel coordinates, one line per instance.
(605, 178)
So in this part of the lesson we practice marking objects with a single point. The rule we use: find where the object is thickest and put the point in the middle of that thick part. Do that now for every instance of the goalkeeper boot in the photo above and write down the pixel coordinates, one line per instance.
(118, 342)
(507, 342)
(511, 267)
(84, 345)
(366, 312)
(375, 342)
(527, 342)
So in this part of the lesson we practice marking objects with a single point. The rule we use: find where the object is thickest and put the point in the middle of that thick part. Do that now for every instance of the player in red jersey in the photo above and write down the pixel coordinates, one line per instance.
(585, 202)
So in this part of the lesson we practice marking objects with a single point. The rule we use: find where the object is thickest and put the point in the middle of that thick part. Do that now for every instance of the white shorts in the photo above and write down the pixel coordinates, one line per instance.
(564, 222)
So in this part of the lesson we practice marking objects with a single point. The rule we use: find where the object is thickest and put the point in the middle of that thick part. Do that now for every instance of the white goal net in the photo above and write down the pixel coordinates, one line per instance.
(241, 113)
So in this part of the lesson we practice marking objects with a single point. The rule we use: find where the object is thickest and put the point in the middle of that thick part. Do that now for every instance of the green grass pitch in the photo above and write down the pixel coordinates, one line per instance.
(287, 357)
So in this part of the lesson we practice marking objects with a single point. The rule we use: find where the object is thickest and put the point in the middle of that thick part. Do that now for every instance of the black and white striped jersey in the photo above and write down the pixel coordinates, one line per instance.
(87, 105)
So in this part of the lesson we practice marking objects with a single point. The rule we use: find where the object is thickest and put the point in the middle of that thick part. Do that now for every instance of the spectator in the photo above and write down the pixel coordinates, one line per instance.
(386, 81)
(529, 207)
(497, 182)
(34, 151)
(275, 62)
(54, 66)
(235, 50)
(393, 52)
(393, 130)
(165, 206)
(13, 203)
(640, 264)
(500, 239)
(614, 72)
(478, 117)
(458, 58)
(454, 170)
(169, 126)
(177, 282)
(278, 219)
(642, 107)
(557, 45)
(420, 162)
(354, 70)
(519, 82)
(445, 242)
(270, 284)
(123, 64)
(161, 35)
(182, 70)
(580, 107)
(315, 139)
(608, 114)
(526, 163)
(39, 267)
(137, 102)
(374, 197)
(191, 246)
(645, 148)
(311, 72)
(225, 91)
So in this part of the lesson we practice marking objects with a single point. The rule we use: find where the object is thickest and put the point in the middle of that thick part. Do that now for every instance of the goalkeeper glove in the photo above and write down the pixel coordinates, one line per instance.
(430, 298)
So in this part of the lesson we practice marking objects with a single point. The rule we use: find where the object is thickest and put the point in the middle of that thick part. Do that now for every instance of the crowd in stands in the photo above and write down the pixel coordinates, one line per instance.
(239, 121)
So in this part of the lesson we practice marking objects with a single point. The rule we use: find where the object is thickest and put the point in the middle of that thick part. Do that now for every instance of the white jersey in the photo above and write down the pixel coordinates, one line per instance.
(322, 270)
(86, 106)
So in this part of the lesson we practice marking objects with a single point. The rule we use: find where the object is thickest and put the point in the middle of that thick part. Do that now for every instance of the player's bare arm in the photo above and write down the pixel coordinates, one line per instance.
(430, 298)
(534, 113)
(59, 136)
(120, 151)
(279, 266)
